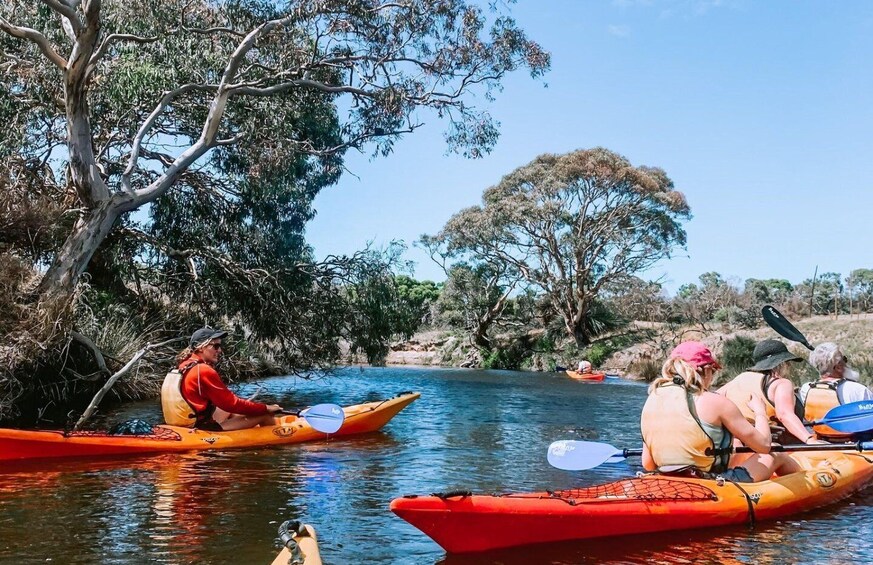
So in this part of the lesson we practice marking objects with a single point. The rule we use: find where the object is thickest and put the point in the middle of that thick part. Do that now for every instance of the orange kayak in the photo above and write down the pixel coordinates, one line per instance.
(35, 444)
(463, 523)
(586, 376)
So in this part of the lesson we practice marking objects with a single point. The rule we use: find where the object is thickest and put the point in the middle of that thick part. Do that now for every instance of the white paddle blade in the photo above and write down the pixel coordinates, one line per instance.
(325, 418)
(574, 455)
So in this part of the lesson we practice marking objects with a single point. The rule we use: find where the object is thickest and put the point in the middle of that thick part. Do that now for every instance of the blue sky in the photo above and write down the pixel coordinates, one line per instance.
(760, 112)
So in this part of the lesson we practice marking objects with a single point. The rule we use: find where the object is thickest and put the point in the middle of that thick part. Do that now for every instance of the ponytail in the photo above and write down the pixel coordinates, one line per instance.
(676, 369)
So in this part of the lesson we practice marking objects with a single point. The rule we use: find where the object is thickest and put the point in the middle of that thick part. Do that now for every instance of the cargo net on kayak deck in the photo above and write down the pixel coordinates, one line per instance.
(158, 433)
(637, 489)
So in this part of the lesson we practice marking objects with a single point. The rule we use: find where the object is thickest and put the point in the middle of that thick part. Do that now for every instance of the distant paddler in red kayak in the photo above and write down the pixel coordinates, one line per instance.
(767, 380)
(837, 385)
(682, 420)
(193, 395)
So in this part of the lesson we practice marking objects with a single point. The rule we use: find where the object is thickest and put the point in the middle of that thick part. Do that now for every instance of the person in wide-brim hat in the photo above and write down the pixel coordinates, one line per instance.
(767, 380)
(769, 354)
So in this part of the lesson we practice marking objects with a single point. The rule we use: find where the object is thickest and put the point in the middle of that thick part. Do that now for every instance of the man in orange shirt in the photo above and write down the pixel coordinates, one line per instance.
(194, 395)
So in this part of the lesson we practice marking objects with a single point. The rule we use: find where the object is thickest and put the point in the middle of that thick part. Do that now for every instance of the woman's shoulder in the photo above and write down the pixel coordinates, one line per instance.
(713, 400)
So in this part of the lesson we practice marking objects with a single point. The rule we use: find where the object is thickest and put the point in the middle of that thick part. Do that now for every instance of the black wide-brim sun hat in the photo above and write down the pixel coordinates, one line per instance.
(771, 353)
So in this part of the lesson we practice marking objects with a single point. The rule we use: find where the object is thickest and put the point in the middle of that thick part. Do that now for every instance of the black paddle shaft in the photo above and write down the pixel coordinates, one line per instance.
(783, 327)
(776, 447)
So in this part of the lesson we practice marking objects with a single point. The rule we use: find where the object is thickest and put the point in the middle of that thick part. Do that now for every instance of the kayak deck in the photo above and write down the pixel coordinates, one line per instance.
(35, 444)
(651, 503)
(300, 548)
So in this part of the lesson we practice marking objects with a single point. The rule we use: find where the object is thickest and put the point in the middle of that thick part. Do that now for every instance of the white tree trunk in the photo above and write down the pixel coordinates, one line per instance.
(75, 254)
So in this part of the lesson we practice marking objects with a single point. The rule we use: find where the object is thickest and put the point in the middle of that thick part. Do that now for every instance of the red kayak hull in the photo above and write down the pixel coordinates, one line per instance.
(586, 376)
(473, 523)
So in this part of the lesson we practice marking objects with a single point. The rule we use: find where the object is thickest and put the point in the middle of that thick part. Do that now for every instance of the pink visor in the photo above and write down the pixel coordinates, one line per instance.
(694, 353)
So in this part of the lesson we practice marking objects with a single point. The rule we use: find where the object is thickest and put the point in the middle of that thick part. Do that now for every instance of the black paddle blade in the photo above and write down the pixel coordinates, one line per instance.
(782, 326)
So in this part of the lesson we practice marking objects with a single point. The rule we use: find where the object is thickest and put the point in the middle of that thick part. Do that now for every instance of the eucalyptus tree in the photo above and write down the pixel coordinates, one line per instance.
(171, 151)
(137, 98)
(478, 286)
(570, 225)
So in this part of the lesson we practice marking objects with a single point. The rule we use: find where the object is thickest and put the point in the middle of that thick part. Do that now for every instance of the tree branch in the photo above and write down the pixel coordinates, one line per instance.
(68, 12)
(41, 41)
(147, 126)
(114, 38)
(92, 406)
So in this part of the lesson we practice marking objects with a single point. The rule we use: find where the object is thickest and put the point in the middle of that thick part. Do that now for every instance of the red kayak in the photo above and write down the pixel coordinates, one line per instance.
(463, 523)
(586, 376)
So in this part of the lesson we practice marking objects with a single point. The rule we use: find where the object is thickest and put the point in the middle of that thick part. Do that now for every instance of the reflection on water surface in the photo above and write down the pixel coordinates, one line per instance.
(485, 431)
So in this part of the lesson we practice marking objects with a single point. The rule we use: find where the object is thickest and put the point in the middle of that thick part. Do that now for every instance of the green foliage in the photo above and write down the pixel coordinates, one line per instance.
(570, 225)
(225, 144)
(377, 308)
(472, 299)
(602, 349)
(415, 301)
(646, 369)
(511, 357)
(824, 294)
(768, 291)
(736, 356)
(597, 353)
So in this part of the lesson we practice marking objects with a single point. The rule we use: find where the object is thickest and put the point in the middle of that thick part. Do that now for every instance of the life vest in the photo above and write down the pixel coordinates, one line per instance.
(821, 397)
(177, 411)
(754, 384)
(674, 434)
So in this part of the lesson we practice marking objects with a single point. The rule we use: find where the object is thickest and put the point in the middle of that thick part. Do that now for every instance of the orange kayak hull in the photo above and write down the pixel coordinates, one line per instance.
(586, 376)
(464, 524)
(38, 444)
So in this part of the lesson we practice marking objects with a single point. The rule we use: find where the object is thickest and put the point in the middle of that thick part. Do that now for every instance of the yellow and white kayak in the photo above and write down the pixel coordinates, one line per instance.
(301, 545)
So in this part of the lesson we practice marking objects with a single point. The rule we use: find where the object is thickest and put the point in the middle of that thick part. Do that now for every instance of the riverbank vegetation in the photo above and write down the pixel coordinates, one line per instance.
(158, 165)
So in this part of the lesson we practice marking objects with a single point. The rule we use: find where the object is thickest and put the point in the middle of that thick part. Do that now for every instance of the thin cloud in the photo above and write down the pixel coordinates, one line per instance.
(619, 31)
(631, 3)
(668, 7)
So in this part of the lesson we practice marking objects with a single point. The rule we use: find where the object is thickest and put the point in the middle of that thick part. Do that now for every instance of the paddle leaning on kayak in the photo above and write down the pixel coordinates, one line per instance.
(194, 396)
(687, 427)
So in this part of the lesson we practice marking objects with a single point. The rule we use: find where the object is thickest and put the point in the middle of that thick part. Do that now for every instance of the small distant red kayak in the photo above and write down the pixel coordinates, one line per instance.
(586, 376)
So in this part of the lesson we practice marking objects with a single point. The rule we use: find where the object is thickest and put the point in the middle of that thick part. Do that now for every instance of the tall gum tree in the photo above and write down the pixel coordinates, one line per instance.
(126, 100)
(572, 225)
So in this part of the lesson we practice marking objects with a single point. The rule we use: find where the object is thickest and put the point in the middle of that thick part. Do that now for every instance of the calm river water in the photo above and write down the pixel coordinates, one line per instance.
(485, 431)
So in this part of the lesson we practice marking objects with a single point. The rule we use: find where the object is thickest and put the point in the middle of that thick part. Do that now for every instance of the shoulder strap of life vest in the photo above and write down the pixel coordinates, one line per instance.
(836, 386)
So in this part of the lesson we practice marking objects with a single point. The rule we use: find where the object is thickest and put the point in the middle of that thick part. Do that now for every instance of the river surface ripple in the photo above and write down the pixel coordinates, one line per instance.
(485, 431)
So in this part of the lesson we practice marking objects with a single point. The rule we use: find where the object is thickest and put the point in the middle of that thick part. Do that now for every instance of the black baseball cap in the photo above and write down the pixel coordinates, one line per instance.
(205, 334)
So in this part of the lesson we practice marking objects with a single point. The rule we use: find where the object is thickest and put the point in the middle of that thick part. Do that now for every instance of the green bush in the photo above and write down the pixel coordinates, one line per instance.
(510, 357)
(736, 356)
(647, 369)
(598, 353)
